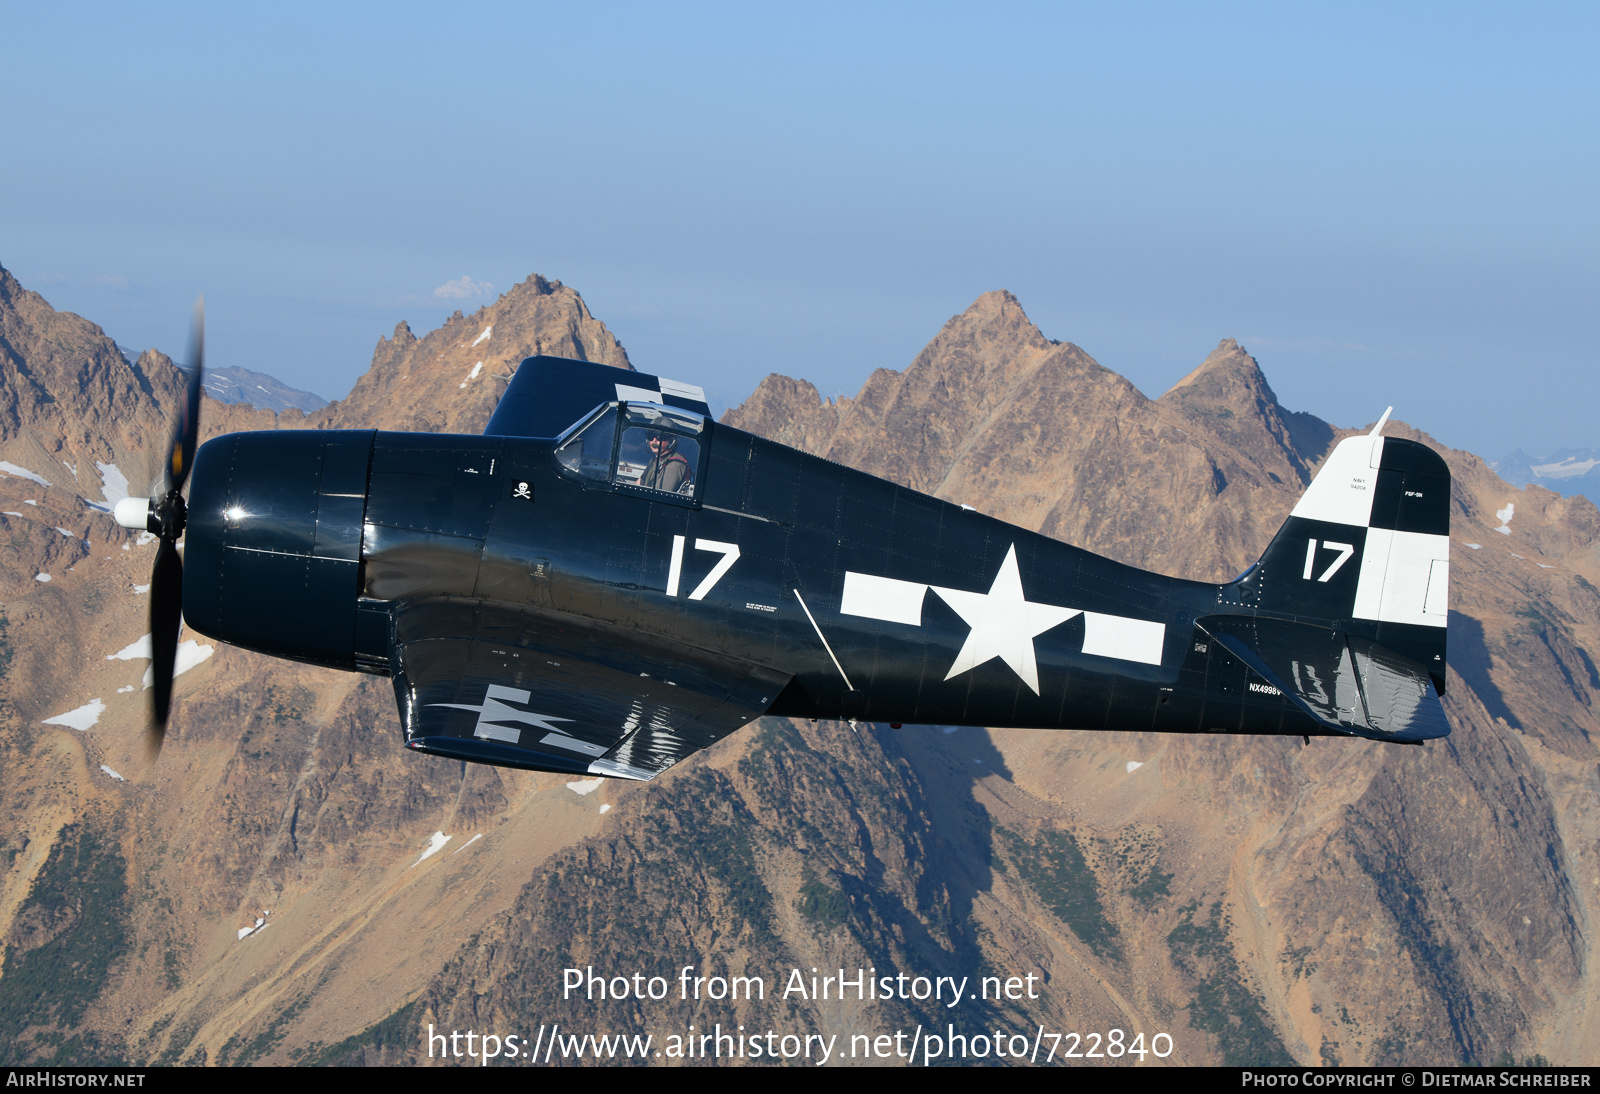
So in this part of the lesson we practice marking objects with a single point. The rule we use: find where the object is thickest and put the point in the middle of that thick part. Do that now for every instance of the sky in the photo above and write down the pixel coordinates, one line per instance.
(1386, 204)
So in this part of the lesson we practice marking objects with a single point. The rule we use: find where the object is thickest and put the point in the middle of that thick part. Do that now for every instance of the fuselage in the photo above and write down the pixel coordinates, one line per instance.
(880, 602)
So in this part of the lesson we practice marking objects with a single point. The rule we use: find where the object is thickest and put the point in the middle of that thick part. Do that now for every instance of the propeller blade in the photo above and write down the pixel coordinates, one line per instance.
(186, 436)
(166, 617)
(166, 516)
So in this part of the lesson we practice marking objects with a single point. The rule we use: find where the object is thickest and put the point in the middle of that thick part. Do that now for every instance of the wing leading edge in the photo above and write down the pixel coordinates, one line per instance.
(547, 691)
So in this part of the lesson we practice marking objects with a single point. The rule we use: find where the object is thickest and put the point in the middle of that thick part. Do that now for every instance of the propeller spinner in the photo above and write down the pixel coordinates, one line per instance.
(165, 515)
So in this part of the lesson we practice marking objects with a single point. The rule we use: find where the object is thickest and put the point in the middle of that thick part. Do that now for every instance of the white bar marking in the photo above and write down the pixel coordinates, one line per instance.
(572, 744)
(885, 598)
(1125, 639)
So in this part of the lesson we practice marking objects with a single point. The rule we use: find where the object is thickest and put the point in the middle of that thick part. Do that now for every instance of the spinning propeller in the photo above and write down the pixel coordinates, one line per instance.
(165, 515)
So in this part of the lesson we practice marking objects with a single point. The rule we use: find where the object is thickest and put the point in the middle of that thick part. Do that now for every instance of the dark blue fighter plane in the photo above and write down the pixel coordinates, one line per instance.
(607, 580)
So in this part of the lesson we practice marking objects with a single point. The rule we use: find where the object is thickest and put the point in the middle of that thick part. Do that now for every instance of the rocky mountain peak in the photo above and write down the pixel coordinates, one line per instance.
(1230, 396)
(11, 288)
(791, 412)
(1228, 379)
(68, 396)
(993, 331)
(911, 426)
(450, 379)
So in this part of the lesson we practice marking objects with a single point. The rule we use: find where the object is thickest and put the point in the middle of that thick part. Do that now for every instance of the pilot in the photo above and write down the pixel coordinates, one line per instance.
(667, 470)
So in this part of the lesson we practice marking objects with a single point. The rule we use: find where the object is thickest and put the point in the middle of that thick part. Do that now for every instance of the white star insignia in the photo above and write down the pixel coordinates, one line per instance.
(1004, 623)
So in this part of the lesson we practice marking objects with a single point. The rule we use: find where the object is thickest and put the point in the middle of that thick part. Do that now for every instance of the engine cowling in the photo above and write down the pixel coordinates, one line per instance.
(272, 556)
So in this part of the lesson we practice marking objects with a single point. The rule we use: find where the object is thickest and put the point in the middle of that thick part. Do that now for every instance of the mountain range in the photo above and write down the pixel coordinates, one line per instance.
(1569, 472)
(287, 885)
(241, 385)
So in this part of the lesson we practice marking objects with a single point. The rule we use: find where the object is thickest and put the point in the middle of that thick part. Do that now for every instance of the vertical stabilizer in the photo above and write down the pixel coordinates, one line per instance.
(1366, 551)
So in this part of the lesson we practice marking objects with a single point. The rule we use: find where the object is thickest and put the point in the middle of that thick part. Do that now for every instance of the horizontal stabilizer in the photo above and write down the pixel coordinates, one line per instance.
(1347, 683)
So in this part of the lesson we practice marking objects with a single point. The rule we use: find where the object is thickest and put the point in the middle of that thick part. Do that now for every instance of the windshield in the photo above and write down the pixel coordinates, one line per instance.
(588, 450)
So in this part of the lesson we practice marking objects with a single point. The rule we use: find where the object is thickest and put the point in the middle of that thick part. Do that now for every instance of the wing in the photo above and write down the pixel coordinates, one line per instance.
(546, 691)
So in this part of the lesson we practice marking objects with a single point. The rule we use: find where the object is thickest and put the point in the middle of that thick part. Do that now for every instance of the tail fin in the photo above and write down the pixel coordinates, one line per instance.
(1363, 563)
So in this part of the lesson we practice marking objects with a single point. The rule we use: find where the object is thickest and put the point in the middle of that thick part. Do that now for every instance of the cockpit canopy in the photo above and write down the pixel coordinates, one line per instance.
(640, 446)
